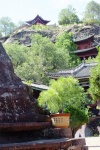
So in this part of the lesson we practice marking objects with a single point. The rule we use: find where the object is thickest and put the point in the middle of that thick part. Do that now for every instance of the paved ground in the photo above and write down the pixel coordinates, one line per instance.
(93, 143)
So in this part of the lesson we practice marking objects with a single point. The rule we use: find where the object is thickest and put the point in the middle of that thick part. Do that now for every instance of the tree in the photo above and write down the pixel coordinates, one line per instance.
(92, 13)
(65, 43)
(78, 117)
(65, 95)
(46, 57)
(94, 89)
(32, 64)
(6, 26)
(17, 53)
(68, 16)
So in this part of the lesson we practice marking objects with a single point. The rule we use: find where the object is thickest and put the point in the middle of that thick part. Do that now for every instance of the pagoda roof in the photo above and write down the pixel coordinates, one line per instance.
(36, 20)
(92, 51)
(83, 39)
(85, 50)
(80, 72)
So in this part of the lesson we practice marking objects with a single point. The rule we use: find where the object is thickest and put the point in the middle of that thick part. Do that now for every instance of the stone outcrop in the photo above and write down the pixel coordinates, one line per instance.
(18, 117)
(22, 36)
(15, 104)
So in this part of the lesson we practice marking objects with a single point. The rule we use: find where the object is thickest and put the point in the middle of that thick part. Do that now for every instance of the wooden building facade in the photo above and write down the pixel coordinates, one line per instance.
(86, 47)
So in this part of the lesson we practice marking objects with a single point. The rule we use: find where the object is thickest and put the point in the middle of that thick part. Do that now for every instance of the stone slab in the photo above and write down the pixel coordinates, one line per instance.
(53, 144)
(23, 126)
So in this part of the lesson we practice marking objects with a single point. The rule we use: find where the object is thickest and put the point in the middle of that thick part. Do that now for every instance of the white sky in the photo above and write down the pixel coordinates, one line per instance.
(24, 10)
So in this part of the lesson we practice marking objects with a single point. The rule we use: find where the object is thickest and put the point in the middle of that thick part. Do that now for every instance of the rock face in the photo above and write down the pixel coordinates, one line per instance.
(23, 37)
(15, 104)
(79, 31)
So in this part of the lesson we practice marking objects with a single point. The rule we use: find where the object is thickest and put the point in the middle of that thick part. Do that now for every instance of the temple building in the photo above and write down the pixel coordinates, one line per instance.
(86, 47)
(81, 72)
(37, 20)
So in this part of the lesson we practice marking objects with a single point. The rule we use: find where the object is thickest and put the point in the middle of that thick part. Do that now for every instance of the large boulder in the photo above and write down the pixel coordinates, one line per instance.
(15, 104)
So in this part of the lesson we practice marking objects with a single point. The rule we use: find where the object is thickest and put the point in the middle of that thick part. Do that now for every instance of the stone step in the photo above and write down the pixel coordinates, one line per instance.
(54, 144)
(58, 133)
(24, 126)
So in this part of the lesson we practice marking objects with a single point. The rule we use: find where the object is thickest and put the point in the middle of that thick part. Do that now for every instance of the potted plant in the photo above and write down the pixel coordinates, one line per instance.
(61, 95)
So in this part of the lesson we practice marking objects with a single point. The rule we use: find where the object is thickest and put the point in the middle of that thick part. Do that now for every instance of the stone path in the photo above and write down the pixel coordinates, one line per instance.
(93, 143)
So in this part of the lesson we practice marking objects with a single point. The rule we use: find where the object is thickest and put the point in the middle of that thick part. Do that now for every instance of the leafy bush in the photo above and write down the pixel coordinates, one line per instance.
(61, 94)
(94, 88)
(66, 96)
(77, 116)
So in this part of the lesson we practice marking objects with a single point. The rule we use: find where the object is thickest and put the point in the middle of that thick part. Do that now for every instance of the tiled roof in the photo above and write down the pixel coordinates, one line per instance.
(82, 71)
(39, 87)
(85, 50)
(83, 39)
(37, 19)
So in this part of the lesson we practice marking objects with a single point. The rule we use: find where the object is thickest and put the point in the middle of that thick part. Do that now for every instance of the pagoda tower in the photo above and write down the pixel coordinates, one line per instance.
(86, 47)
(37, 20)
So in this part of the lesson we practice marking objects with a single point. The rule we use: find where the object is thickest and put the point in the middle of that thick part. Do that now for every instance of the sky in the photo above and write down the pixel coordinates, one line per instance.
(25, 10)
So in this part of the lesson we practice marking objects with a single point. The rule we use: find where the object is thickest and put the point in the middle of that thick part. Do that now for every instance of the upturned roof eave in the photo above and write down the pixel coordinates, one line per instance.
(79, 78)
(36, 19)
(73, 72)
(84, 50)
(80, 40)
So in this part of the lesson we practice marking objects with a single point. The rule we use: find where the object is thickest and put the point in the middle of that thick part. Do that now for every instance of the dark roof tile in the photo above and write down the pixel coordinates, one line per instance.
(81, 71)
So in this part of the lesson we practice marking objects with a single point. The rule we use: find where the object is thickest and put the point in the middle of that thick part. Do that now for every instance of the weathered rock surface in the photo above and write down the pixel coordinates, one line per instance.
(79, 31)
(24, 36)
(15, 104)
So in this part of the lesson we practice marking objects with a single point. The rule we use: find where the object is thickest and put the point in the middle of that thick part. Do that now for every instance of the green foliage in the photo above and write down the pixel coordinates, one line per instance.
(92, 13)
(98, 56)
(52, 28)
(17, 53)
(46, 57)
(94, 88)
(65, 95)
(90, 60)
(62, 93)
(6, 26)
(68, 16)
(38, 27)
(78, 116)
(65, 43)
(33, 63)
(44, 49)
